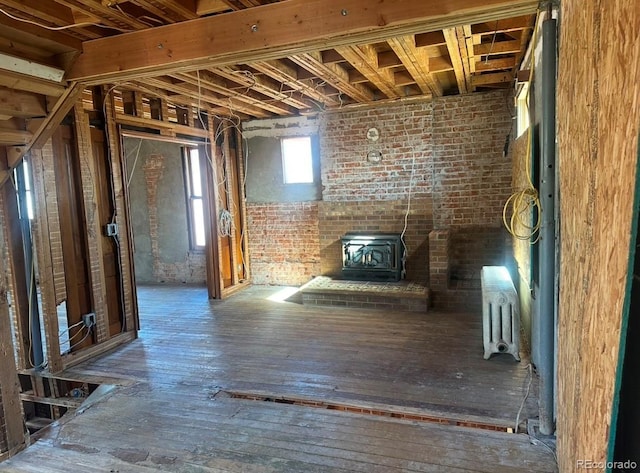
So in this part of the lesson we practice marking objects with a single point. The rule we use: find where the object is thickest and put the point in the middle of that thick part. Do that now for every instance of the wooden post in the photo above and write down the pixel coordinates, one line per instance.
(12, 429)
(242, 205)
(210, 204)
(122, 219)
(16, 269)
(231, 187)
(41, 233)
(92, 222)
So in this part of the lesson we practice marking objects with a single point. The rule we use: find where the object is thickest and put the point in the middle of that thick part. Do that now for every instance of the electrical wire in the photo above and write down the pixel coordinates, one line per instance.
(63, 331)
(135, 162)
(524, 399)
(409, 191)
(64, 27)
(89, 331)
(525, 202)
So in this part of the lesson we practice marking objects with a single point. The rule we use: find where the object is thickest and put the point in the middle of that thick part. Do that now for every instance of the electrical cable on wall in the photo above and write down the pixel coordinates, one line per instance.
(225, 223)
(405, 252)
(523, 202)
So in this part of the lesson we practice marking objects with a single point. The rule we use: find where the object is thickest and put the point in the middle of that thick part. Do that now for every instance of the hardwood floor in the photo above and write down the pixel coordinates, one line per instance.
(176, 409)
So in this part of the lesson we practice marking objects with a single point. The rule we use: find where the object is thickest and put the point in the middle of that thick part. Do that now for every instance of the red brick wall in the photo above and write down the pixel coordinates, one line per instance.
(405, 143)
(472, 178)
(448, 152)
(283, 242)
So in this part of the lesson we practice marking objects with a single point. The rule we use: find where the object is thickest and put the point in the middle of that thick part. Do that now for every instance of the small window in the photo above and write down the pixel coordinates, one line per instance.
(297, 163)
(522, 104)
(194, 197)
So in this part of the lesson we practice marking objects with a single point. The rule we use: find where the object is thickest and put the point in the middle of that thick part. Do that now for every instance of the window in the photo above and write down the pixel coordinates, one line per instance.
(522, 104)
(297, 163)
(194, 196)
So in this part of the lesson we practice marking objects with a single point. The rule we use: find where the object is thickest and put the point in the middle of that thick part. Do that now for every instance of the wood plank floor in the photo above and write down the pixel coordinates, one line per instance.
(172, 413)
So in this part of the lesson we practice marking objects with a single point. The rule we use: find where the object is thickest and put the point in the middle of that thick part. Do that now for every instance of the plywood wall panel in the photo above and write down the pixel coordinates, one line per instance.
(598, 124)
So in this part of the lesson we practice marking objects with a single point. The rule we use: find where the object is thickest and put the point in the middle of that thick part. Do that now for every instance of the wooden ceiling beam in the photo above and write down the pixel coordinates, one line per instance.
(357, 77)
(403, 78)
(499, 47)
(54, 41)
(47, 126)
(330, 56)
(25, 83)
(416, 61)
(186, 9)
(260, 84)
(440, 64)
(207, 7)
(21, 104)
(104, 14)
(169, 12)
(495, 78)
(388, 59)
(192, 91)
(495, 64)
(257, 34)
(505, 25)
(364, 58)
(431, 38)
(208, 81)
(289, 76)
(181, 101)
(50, 12)
(334, 75)
(457, 47)
(11, 137)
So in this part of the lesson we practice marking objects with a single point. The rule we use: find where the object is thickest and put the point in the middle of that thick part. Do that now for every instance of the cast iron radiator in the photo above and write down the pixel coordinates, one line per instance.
(500, 312)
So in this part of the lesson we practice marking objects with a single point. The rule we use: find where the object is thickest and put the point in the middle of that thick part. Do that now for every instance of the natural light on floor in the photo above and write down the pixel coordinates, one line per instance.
(283, 294)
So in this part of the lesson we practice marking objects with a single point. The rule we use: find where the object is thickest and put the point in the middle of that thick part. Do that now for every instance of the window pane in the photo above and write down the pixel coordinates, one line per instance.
(296, 160)
(194, 164)
(198, 222)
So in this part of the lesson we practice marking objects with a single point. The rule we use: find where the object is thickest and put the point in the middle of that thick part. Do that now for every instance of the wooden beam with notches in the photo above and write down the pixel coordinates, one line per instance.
(416, 61)
(334, 75)
(289, 76)
(364, 58)
(258, 34)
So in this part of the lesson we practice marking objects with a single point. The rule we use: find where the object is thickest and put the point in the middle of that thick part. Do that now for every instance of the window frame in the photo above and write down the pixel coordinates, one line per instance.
(192, 197)
(310, 171)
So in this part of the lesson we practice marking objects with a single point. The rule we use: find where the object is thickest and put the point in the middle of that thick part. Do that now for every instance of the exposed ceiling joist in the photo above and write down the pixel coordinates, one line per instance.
(248, 35)
(457, 48)
(417, 63)
(193, 91)
(333, 74)
(21, 104)
(207, 81)
(16, 81)
(365, 59)
(289, 76)
(261, 84)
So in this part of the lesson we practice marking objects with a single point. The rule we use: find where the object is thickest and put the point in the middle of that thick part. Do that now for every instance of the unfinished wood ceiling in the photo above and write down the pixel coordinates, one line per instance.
(41, 42)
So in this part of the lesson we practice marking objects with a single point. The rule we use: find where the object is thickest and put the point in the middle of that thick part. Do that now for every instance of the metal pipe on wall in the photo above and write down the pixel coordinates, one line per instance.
(27, 242)
(547, 254)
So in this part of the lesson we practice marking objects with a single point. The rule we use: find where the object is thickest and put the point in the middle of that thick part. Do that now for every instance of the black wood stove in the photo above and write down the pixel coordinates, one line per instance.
(372, 256)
